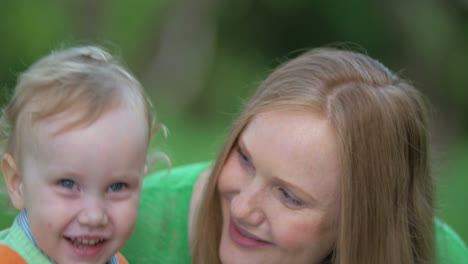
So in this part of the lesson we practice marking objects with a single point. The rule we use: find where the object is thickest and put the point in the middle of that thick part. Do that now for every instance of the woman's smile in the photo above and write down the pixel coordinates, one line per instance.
(244, 238)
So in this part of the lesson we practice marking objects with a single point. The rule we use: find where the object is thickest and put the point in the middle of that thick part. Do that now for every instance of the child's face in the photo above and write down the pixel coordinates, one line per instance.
(81, 188)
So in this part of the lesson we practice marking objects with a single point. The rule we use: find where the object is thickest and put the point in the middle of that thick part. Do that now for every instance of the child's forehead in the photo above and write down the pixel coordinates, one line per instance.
(38, 129)
(58, 130)
(80, 117)
(34, 131)
(53, 123)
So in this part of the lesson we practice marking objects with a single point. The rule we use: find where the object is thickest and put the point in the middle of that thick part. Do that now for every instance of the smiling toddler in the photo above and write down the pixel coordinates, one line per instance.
(79, 127)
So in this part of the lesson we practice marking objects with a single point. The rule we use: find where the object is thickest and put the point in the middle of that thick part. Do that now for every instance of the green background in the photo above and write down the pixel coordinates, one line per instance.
(200, 59)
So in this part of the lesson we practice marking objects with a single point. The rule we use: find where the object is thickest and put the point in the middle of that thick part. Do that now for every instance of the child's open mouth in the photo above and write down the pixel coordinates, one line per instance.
(84, 242)
(86, 247)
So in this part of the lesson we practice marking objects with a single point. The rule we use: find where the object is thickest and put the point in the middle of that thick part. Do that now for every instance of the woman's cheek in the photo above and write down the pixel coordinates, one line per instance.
(301, 231)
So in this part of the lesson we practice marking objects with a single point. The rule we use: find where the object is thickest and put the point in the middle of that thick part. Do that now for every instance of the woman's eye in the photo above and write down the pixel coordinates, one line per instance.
(243, 157)
(117, 187)
(290, 200)
(69, 184)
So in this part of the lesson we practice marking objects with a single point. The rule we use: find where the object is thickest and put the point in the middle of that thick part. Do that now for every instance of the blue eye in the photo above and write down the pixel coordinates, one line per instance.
(69, 184)
(117, 187)
(290, 200)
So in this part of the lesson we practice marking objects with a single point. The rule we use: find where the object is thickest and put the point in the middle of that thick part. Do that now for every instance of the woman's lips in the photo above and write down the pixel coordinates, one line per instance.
(244, 238)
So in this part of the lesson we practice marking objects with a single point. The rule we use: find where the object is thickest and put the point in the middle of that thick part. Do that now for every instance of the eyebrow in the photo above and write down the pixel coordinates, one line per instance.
(62, 172)
(296, 189)
(71, 173)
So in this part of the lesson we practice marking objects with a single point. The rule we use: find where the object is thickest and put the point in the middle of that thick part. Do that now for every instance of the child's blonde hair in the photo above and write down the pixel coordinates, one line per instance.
(86, 81)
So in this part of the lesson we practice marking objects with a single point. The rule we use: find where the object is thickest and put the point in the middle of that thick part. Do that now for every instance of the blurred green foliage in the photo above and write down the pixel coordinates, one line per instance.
(199, 59)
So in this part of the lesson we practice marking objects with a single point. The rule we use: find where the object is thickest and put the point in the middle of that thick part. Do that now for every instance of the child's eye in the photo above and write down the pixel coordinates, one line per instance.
(117, 187)
(69, 184)
(289, 199)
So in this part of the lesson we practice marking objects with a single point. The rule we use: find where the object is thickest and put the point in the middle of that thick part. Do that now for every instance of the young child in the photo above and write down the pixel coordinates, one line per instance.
(79, 127)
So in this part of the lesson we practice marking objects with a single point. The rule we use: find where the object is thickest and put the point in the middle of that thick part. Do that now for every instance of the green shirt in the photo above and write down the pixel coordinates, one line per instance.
(161, 236)
(16, 239)
(161, 231)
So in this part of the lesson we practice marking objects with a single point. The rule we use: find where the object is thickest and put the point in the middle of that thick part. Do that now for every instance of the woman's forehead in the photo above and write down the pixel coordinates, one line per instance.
(295, 146)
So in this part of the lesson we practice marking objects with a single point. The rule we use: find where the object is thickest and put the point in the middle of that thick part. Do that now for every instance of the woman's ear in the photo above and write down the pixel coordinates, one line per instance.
(13, 181)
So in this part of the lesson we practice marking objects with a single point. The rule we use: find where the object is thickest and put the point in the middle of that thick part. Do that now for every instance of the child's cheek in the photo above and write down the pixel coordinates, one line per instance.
(127, 215)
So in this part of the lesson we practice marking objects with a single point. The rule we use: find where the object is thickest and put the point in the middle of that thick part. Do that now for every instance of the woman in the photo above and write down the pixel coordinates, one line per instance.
(328, 163)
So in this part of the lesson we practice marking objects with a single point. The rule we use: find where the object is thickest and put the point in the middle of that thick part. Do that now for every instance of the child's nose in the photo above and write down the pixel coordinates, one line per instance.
(93, 214)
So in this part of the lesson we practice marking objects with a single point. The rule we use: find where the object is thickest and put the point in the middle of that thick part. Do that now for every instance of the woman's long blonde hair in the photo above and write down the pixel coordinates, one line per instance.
(382, 128)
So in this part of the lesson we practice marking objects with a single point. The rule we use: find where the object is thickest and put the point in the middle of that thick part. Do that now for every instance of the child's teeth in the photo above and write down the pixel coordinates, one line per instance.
(84, 241)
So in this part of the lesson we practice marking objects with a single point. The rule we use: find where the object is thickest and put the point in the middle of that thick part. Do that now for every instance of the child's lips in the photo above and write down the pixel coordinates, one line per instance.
(86, 246)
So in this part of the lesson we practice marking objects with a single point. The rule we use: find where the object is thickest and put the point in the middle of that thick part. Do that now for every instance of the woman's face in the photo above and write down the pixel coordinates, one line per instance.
(279, 190)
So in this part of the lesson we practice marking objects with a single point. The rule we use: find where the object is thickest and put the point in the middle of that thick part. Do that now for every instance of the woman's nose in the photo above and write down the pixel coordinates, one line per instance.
(93, 214)
(246, 206)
